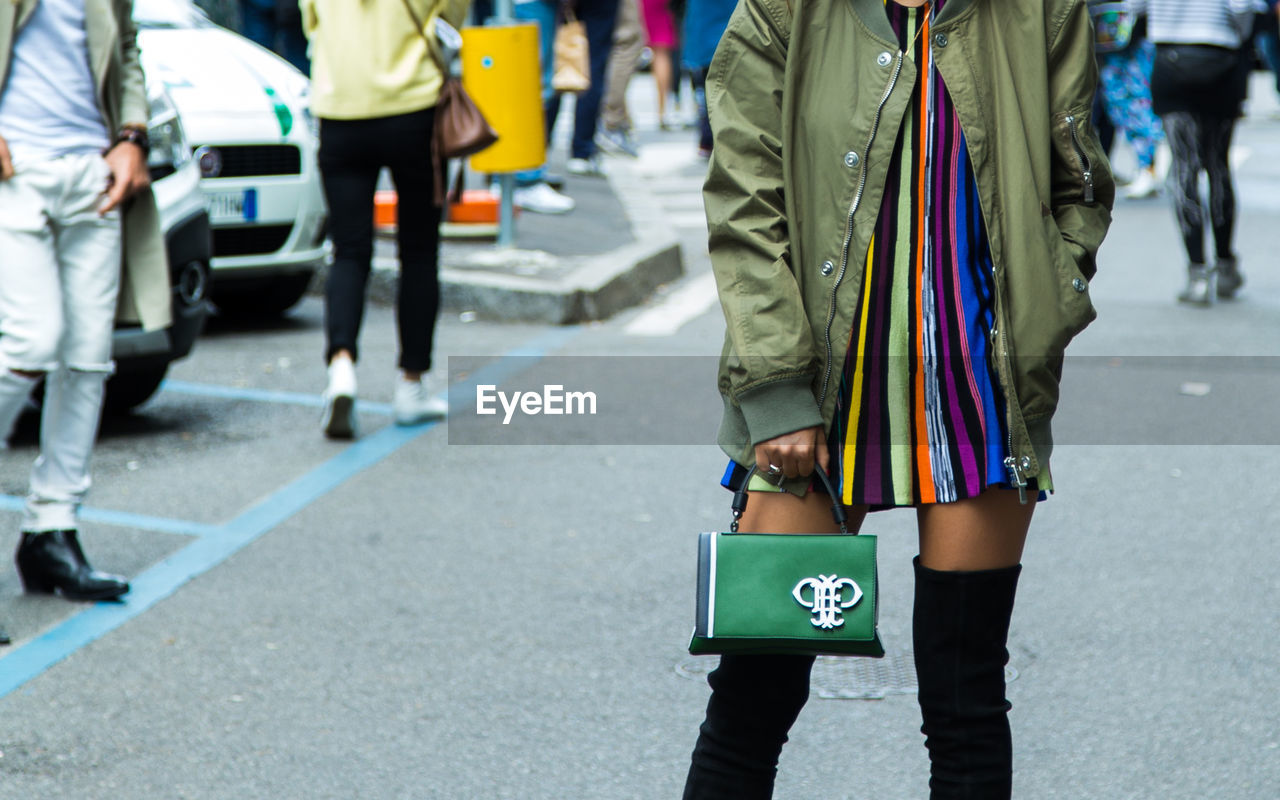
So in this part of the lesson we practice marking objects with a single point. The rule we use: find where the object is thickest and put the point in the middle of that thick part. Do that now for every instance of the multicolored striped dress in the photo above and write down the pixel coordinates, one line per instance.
(920, 417)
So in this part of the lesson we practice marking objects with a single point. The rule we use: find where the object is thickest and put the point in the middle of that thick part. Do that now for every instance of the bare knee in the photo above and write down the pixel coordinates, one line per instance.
(978, 533)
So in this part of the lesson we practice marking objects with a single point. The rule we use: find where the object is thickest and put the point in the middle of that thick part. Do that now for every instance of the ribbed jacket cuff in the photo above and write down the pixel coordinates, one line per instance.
(779, 407)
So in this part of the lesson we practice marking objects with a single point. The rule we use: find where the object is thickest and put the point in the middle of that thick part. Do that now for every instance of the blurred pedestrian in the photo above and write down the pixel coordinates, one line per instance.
(878, 339)
(374, 87)
(1198, 86)
(277, 26)
(1125, 57)
(628, 44)
(1266, 38)
(704, 24)
(75, 200)
(599, 16)
(660, 31)
(533, 191)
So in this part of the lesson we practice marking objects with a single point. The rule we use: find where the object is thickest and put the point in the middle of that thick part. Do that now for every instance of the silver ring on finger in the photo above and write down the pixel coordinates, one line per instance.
(774, 469)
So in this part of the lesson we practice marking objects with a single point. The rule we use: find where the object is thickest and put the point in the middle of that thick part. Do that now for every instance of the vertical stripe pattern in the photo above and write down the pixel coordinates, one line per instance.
(920, 418)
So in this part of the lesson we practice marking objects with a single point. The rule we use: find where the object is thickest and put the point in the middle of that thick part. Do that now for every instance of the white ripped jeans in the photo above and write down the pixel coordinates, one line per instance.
(59, 278)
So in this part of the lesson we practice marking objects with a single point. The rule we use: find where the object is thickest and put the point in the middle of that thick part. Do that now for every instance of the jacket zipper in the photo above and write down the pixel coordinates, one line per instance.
(1016, 466)
(1086, 166)
(853, 209)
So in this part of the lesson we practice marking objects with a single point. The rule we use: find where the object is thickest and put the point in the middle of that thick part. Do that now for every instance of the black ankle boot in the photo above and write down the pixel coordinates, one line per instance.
(52, 562)
(754, 702)
(960, 628)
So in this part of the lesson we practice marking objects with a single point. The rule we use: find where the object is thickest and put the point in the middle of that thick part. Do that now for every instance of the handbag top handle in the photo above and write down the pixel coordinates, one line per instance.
(739, 504)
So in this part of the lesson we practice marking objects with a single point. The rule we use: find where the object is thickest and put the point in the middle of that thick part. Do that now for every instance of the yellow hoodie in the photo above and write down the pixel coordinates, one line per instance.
(367, 59)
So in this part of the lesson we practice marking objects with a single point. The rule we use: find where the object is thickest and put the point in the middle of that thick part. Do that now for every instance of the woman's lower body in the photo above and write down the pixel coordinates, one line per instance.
(966, 579)
(1125, 78)
(660, 32)
(1198, 90)
(1202, 143)
(352, 155)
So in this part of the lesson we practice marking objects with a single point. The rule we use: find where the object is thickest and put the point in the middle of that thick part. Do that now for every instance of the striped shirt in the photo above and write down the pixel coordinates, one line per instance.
(919, 417)
(1225, 23)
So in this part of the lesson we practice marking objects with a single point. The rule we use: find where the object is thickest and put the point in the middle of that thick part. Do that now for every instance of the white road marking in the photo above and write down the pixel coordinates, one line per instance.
(689, 301)
(696, 220)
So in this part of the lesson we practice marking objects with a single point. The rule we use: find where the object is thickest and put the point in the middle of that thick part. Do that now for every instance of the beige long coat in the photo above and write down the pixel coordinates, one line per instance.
(122, 98)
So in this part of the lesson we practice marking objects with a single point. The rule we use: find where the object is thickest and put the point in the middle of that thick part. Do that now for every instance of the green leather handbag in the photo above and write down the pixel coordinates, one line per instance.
(806, 594)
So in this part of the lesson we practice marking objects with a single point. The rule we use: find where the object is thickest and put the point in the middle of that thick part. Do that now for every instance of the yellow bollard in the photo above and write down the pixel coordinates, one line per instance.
(500, 71)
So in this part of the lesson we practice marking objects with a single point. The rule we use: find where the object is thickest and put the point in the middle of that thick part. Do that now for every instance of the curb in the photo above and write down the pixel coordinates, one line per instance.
(596, 288)
(577, 289)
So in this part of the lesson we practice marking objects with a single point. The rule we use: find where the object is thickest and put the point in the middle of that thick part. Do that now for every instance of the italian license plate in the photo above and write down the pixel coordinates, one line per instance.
(239, 206)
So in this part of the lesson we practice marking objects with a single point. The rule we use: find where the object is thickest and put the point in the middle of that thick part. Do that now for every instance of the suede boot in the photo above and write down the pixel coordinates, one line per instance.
(754, 702)
(960, 629)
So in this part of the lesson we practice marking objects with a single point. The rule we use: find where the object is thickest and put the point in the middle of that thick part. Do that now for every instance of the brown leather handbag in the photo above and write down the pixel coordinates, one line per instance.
(460, 127)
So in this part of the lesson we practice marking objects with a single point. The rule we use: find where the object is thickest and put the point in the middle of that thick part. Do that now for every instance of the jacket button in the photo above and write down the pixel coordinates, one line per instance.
(851, 159)
(1079, 284)
(884, 59)
(828, 268)
(940, 40)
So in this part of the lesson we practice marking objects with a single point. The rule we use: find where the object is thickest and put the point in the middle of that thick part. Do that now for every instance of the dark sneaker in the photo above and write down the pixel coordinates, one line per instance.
(1230, 278)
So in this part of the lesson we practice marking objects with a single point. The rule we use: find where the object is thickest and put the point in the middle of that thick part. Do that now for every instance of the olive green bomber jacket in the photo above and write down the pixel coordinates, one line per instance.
(806, 98)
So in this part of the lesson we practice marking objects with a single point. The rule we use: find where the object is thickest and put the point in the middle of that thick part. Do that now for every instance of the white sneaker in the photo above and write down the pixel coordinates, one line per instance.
(542, 199)
(414, 405)
(339, 419)
(1144, 185)
(585, 166)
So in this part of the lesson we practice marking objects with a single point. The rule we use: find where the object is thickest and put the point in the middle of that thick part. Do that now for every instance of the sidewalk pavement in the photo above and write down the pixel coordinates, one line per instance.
(610, 253)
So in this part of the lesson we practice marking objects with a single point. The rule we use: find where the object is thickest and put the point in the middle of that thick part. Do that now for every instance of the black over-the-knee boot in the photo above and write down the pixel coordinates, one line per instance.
(754, 702)
(961, 627)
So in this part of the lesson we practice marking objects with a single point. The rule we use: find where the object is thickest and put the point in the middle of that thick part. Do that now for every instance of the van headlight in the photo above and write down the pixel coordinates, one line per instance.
(169, 150)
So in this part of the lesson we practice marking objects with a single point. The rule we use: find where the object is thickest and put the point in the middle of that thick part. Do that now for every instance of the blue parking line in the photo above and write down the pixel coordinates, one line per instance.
(124, 519)
(29, 660)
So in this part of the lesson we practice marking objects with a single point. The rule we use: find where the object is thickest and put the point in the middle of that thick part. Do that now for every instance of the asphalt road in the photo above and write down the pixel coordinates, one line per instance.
(418, 615)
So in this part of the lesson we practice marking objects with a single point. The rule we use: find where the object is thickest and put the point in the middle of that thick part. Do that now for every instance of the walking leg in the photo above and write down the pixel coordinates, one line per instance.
(1183, 133)
(966, 578)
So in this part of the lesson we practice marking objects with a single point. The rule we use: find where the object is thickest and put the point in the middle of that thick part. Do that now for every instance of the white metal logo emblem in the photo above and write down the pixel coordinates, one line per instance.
(828, 601)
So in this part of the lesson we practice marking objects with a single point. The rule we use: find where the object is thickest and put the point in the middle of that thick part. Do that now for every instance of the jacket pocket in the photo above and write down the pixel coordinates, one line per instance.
(1070, 132)
(1072, 286)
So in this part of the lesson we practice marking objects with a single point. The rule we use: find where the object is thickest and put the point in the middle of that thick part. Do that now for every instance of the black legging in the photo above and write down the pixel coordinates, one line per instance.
(1199, 141)
(352, 153)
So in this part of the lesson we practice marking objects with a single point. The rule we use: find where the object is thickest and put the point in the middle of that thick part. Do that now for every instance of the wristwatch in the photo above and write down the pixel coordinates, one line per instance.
(135, 134)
